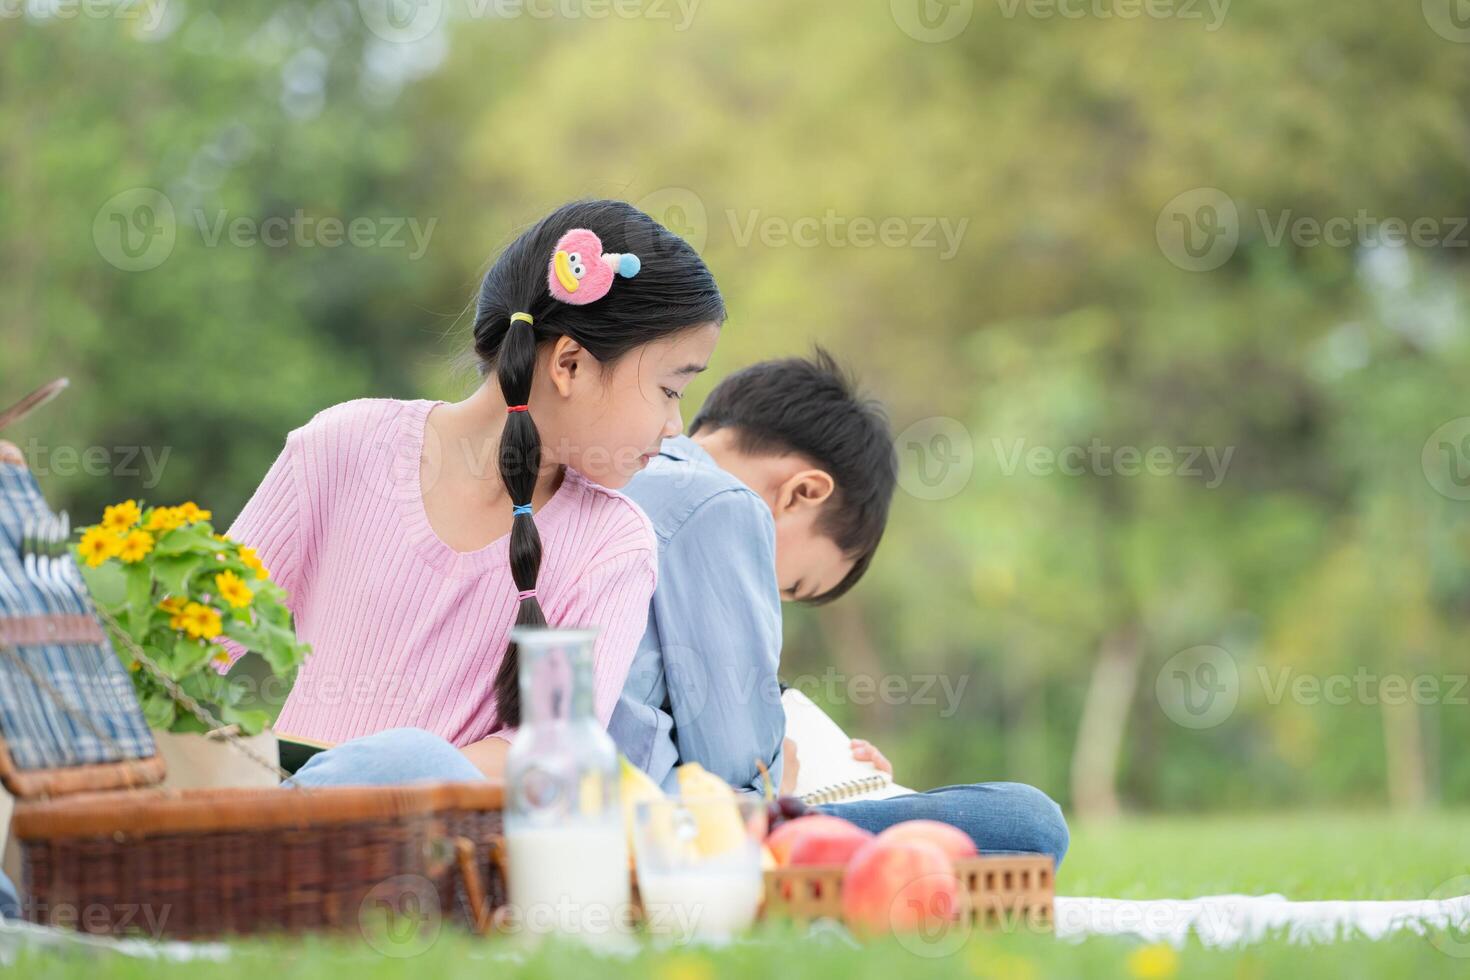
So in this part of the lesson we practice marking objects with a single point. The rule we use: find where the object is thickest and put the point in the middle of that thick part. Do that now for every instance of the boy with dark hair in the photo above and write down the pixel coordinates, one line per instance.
(780, 491)
(809, 408)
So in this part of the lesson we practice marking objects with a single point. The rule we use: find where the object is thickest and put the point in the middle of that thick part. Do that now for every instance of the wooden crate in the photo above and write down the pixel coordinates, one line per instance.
(997, 891)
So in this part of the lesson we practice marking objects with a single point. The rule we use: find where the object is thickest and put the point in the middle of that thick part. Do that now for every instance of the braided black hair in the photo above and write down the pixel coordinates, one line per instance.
(673, 291)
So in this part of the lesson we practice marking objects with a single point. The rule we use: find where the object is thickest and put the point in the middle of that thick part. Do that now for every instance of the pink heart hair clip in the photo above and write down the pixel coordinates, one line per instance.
(581, 272)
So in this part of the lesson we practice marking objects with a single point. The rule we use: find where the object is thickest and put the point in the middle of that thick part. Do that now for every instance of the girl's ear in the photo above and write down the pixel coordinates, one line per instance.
(804, 490)
(567, 364)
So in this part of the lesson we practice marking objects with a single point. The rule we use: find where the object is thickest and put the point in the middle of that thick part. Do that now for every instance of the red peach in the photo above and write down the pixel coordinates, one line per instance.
(784, 838)
(817, 847)
(899, 886)
(951, 840)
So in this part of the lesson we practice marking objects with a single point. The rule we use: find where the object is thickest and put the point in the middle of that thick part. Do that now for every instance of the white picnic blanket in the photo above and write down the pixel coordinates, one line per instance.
(1218, 921)
(15, 936)
(1234, 920)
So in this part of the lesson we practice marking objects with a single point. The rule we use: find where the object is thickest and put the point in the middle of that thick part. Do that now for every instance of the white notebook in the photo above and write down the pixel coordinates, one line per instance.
(829, 773)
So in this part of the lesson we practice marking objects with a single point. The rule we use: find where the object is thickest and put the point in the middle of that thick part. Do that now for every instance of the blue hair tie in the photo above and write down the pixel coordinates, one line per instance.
(520, 509)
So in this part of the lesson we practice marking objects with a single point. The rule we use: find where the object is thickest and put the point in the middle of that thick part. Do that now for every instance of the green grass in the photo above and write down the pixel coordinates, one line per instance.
(1301, 856)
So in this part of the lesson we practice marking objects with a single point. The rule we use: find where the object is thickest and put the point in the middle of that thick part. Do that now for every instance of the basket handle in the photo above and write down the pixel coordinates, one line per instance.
(33, 401)
(474, 886)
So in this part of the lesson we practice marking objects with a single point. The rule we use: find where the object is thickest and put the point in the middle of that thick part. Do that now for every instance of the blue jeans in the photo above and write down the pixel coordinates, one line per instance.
(9, 898)
(999, 817)
(387, 758)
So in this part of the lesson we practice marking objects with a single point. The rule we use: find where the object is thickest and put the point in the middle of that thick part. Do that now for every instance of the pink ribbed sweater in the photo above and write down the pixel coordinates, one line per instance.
(404, 629)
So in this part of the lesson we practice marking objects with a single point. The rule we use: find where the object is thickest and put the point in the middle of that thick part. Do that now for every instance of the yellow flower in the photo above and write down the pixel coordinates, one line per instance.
(135, 546)
(135, 666)
(192, 512)
(174, 606)
(98, 545)
(165, 518)
(1156, 962)
(221, 657)
(985, 962)
(220, 537)
(120, 517)
(686, 967)
(200, 621)
(253, 562)
(232, 589)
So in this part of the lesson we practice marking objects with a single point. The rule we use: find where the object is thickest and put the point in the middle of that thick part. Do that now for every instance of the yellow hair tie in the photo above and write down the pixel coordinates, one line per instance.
(522, 316)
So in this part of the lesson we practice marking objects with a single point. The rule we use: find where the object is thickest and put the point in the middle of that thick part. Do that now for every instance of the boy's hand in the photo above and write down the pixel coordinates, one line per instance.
(865, 751)
(10, 453)
(789, 768)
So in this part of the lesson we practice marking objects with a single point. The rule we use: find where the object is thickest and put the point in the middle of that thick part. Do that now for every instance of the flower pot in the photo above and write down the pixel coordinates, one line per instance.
(197, 761)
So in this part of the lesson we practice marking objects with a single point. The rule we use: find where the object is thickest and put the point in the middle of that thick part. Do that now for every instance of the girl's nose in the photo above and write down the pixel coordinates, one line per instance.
(674, 424)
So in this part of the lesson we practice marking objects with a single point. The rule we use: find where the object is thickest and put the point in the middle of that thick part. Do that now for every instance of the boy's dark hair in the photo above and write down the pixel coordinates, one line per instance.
(810, 406)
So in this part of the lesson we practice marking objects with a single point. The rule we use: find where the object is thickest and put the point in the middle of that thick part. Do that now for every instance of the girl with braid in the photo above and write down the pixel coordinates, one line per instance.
(412, 535)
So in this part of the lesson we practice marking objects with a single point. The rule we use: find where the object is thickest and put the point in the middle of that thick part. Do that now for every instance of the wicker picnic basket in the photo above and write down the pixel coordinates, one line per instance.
(997, 891)
(106, 851)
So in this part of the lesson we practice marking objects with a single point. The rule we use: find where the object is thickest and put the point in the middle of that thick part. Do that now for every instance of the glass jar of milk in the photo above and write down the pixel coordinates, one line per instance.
(567, 852)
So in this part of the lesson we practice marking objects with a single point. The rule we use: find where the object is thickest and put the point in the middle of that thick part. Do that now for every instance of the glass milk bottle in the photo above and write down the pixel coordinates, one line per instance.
(567, 850)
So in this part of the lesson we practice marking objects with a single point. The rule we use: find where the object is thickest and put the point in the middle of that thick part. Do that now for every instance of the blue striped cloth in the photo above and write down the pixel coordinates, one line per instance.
(91, 679)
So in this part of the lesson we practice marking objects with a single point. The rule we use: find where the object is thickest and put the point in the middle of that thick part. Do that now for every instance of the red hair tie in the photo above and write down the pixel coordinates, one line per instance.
(519, 408)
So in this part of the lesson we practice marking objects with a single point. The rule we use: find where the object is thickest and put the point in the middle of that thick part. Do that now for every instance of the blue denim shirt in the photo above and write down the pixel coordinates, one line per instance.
(703, 685)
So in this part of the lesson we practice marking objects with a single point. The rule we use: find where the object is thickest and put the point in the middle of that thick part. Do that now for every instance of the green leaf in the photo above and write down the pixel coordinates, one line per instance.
(246, 634)
(108, 585)
(140, 588)
(173, 571)
(158, 709)
(138, 623)
(202, 685)
(280, 658)
(193, 539)
(186, 722)
(190, 655)
(251, 720)
(271, 605)
(160, 648)
(229, 691)
(125, 658)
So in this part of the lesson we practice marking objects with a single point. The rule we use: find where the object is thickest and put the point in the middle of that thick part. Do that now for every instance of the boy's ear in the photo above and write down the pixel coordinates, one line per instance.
(803, 490)
(567, 363)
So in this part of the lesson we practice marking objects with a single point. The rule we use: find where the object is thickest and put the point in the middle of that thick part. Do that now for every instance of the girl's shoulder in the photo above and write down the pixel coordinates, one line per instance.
(605, 523)
(365, 413)
(365, 424)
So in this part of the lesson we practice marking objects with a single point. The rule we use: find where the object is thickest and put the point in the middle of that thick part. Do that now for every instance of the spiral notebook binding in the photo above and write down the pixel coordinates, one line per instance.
(846, 789)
